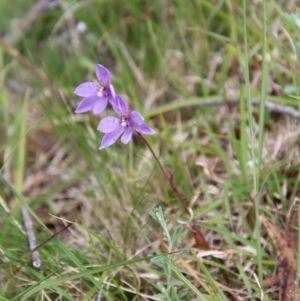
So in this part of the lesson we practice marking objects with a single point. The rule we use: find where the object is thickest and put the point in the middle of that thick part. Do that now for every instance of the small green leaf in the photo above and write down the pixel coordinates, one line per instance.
(161, 287)
(152, 215)
(159, 261)
(157, 214)
(182, 254)
(177, 283)
(177, 233)
(182, 294)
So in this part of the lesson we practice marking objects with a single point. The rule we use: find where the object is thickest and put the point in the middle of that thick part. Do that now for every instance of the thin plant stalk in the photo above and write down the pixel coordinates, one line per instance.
(168, 178)
(199, 237)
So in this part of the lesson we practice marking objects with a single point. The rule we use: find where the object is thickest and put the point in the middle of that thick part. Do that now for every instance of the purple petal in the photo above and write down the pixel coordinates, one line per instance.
(127, 135)
(112, 93)
(87, 104)
(86, 89)
(120, 105)
(108, 124)
(111, 138)
(143, 129)
(135, 118)
(103, 75)
(100, 105)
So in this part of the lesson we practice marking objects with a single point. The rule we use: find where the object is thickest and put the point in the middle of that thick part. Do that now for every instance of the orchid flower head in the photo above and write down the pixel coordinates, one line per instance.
(96, 97)
(114, 127)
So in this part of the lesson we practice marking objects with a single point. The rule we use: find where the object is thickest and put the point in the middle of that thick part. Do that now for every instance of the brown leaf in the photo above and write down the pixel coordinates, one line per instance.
(291, 229)
(199, 238)
(287, 245)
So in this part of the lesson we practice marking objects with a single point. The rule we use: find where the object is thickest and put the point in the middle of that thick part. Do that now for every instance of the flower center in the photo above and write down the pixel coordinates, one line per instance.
(123, 121)
(102, 92)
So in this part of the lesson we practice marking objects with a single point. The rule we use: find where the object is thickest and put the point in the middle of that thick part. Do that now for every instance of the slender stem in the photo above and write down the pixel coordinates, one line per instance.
(199, 237)
(154, 155)
(168, 178)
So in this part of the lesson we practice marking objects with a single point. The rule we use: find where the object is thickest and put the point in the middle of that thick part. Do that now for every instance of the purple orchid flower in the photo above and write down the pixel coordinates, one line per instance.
(114, 127)
(96, 97)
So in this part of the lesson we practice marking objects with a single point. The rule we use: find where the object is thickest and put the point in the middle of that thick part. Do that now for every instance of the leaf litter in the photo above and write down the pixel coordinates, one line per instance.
(286, 243)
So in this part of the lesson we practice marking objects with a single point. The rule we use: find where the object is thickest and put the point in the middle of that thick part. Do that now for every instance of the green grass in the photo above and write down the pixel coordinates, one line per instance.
(229, 161)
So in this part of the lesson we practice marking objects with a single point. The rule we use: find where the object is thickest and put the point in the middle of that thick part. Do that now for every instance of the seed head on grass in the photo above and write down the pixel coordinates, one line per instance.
(114, 127)
(96, 97)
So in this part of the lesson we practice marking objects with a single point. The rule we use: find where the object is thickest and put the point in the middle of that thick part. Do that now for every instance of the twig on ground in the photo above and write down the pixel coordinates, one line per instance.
(215, 102)
(53, 236)
(279, 108)
(35, 256)
(275, 107)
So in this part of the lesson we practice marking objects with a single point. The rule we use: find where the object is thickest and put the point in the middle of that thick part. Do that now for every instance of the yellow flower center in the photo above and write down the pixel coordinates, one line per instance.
(101, 89)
